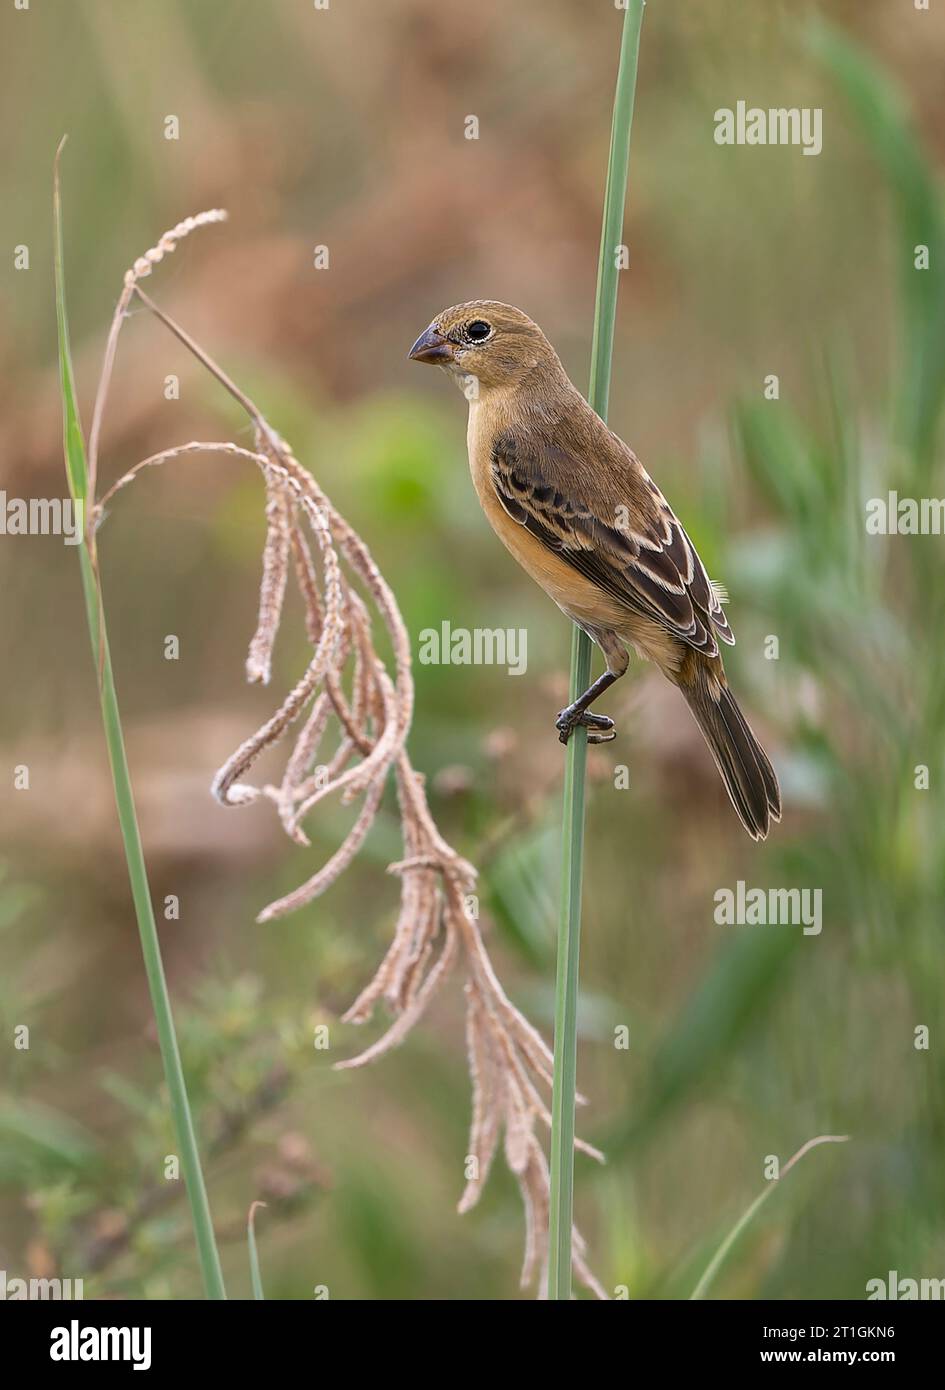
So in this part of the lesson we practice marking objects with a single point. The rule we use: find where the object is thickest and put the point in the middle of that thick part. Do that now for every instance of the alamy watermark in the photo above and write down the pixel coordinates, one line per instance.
(13, 1288)
(478, 646)
(742, 906)
(42, 516)
(899, 1289)
(893, 515)
(776, 125)
(78, 1343)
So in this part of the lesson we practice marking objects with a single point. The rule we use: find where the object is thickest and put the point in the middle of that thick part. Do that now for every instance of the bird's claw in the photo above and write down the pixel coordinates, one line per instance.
(600, 727)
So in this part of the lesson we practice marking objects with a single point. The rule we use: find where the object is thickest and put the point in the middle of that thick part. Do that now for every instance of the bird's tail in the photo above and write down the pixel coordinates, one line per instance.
(744, 765)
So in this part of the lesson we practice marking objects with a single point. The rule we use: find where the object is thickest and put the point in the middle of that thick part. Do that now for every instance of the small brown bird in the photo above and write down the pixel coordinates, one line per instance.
(580, 513)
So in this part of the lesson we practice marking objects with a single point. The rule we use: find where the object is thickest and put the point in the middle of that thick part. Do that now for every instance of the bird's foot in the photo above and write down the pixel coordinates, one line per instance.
(600, 727)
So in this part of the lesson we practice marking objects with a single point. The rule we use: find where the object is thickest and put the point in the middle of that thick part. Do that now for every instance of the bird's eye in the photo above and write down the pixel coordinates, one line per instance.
(478, 331)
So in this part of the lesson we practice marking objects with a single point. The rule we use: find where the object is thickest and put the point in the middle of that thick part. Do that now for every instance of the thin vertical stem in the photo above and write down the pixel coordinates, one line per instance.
(572, 837)
(76, 468)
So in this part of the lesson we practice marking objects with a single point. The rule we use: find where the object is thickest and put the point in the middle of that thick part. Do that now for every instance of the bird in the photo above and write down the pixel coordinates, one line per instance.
(575, 507)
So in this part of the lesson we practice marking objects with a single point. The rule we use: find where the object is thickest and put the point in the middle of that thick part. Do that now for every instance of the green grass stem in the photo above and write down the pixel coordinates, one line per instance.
(748, 1216)
(255, 1274)
(572, 837)
(77, 472)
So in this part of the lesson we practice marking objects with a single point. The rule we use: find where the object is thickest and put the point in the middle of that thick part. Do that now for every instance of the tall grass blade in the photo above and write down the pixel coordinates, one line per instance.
(745, 1220)
(77, 472)
(254, 1272)
(881, 108)
(572, 839)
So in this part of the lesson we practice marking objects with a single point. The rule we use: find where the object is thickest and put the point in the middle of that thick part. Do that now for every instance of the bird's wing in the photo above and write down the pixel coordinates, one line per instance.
(638, 552)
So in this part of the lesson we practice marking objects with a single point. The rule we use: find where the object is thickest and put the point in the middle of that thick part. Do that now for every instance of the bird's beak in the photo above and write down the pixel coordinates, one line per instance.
(431, 346)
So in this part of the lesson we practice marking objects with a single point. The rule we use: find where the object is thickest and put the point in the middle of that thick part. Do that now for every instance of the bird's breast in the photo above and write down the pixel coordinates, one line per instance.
(577, 596)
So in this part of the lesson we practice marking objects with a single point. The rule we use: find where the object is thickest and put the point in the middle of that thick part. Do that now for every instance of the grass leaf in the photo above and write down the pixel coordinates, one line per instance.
(745, 1220)
(77, 471)
(254, 1273)
(572, 838)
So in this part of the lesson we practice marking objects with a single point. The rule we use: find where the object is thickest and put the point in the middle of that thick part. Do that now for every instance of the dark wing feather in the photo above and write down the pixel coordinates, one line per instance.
(644, 558)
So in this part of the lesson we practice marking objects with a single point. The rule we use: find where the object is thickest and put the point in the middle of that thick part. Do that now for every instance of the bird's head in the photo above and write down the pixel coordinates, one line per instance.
(495, 343)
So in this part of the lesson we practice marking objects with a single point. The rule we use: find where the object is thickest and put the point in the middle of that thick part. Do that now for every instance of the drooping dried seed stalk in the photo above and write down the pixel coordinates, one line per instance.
(339, 584)
(275, 574)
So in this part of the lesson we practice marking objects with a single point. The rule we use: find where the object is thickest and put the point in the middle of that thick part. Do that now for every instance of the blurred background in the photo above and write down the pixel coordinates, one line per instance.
(345, 128)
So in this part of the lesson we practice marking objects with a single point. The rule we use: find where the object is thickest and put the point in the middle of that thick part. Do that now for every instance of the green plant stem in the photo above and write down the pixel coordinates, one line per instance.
(572, 838)
(77, 472)
(150, 945)
(745, 1220)
(254, 1271)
